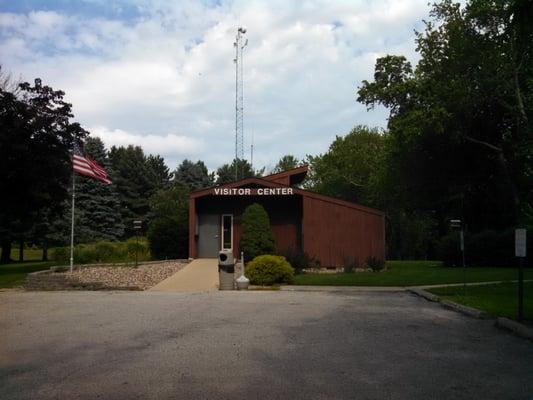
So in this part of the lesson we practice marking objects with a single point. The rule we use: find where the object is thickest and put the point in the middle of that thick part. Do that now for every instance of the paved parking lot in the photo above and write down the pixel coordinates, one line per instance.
(260, 345)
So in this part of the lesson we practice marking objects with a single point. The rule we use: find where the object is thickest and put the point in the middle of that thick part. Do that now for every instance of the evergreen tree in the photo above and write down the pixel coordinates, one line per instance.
(226, 173)
(97, 204)
(158, 170)
(257, 238)
(193, 175)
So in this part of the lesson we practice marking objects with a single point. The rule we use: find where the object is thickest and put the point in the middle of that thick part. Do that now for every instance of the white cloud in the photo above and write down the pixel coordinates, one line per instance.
(166, 145)
(170, 70)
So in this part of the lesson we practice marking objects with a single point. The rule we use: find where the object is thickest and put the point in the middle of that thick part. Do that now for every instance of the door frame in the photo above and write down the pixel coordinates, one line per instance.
(222, 231)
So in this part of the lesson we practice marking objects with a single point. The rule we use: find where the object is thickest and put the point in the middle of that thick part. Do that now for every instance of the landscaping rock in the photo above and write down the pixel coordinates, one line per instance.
(104, 278)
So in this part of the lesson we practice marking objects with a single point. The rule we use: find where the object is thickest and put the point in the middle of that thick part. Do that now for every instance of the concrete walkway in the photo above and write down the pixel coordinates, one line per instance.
(200, 275)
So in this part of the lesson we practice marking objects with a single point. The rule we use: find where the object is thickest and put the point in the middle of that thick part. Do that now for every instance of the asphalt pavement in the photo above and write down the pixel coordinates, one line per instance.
(253, 345)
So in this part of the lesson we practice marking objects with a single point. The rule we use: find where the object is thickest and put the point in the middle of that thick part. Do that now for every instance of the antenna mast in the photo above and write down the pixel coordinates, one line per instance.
(240, 43)
(252, 152)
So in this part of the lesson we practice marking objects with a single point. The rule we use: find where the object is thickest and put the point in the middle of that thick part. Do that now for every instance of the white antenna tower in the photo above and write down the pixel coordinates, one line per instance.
(252, 152)
(240, 43)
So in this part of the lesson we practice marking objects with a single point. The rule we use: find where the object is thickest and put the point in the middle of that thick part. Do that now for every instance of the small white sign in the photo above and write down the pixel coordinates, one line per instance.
(520, 242)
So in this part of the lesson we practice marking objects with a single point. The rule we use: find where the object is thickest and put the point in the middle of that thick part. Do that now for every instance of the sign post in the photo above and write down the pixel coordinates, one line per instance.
(520, 252)
(137, 225)
(457, 223)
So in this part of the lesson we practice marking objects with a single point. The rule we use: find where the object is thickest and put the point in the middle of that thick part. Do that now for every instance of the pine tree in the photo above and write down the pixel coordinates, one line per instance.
(193, 175)
(97, 204)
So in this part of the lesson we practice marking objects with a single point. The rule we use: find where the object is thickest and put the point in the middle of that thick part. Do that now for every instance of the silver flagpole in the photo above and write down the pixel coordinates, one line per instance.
(72, 222)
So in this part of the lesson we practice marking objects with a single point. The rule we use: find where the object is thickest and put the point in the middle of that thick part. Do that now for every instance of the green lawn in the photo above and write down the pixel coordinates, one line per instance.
(13, 275)
(499, 300)
(412, 273)
(29, 254)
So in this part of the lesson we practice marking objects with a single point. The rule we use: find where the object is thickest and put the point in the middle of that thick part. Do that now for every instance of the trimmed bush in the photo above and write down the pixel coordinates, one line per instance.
(268, 269)
(299, 259)
(257, 238)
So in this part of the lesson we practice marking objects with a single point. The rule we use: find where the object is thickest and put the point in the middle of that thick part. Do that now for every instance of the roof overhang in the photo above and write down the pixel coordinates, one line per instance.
(284, 190)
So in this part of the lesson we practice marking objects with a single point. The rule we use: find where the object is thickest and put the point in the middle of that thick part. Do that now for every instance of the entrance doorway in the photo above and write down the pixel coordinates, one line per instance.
(227, 232)
(208, 235)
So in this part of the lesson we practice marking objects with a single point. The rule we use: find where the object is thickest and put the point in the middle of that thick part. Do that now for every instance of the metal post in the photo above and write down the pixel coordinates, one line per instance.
(464, 263)
(72, 222)
(242, 263)
(521, 289)
(137, 249)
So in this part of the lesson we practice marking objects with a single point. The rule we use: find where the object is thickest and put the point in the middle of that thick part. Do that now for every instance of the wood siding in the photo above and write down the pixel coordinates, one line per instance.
(332, 232)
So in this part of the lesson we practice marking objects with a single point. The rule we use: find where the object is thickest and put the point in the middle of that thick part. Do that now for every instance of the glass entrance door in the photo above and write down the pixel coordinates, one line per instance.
(227, 231)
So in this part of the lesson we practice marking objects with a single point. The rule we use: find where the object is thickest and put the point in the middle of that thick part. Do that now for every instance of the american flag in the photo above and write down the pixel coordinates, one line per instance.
(85, 165)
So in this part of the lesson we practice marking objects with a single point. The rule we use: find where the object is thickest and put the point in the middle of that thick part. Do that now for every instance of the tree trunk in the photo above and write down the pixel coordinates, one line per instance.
(45, 253)
(6, 252)
(21, 250)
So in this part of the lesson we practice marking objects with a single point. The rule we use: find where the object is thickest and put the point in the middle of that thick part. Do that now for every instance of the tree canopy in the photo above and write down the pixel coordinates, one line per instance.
(226, 173)
(193, 175)
(461, 140)
(136, 178)
(37, 133)
(351, 167)
(285, 163)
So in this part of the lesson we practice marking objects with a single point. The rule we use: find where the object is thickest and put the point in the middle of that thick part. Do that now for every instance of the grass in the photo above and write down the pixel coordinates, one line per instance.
(413, 273)
(500, 300)
(13, 275)
(29, 254)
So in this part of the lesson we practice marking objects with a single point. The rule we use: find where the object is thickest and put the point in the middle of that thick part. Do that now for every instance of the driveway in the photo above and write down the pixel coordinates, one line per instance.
(255, 345)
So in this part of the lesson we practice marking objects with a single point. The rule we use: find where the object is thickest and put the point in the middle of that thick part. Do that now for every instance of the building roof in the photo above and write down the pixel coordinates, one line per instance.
(289, 177)
(273, 181)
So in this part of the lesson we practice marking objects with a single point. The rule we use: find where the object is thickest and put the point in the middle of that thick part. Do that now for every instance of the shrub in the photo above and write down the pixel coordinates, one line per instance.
(60, 255)
(257, 238)
(375, 264)
(137, 248)
(350, 264)
(168, 239)
(103, 252)
(299, 259)
(268, 270)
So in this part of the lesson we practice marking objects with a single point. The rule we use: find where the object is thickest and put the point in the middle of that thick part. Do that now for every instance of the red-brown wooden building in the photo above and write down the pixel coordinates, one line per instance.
(329, 229)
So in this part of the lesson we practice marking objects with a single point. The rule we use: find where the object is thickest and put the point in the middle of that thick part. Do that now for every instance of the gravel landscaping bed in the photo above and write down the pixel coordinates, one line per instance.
(142, 277)
(104, 277)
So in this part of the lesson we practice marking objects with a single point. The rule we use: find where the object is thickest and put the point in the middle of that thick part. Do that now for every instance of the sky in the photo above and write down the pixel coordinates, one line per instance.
(160, 74)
